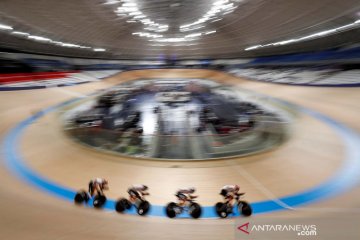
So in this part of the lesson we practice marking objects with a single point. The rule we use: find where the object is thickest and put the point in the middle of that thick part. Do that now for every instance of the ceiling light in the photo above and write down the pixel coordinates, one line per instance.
(5, 27)
(218, 9)
(193, 35)
(39, 38)
(310, 36)
(129, 4)
(220, 2)
(69, 45)
(130, 9)
(99, 49)
(253, 47)
(135, 13)
(109, 2)
(210, 32)
(44, 39)
(139, 16)
(20, 33)
(191, 28)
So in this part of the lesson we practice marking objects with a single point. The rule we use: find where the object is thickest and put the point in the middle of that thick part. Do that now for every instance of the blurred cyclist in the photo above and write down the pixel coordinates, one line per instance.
(230, 192)
(137, 191)
(98, 185)
(184, 195)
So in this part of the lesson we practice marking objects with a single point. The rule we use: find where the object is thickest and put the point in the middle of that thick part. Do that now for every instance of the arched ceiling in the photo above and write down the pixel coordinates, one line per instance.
(133, 29)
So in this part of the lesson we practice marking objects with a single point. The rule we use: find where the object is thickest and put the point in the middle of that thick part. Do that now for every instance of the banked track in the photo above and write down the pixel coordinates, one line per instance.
(141, 74)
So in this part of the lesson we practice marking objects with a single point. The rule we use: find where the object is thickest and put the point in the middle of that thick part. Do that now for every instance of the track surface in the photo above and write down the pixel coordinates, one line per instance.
(309, 158)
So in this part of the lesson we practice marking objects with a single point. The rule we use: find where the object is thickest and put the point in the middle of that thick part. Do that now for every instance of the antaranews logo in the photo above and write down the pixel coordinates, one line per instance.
(299, 229)
(244, 228)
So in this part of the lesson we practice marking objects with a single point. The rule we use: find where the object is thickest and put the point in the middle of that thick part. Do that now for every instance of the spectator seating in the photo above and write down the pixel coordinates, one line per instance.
(21, 81)
(302, 76)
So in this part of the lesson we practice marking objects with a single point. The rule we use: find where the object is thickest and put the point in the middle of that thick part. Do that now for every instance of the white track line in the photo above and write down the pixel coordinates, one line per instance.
(260, 186)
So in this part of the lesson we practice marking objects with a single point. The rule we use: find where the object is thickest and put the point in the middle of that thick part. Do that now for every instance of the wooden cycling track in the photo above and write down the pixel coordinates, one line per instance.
(312, 155)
